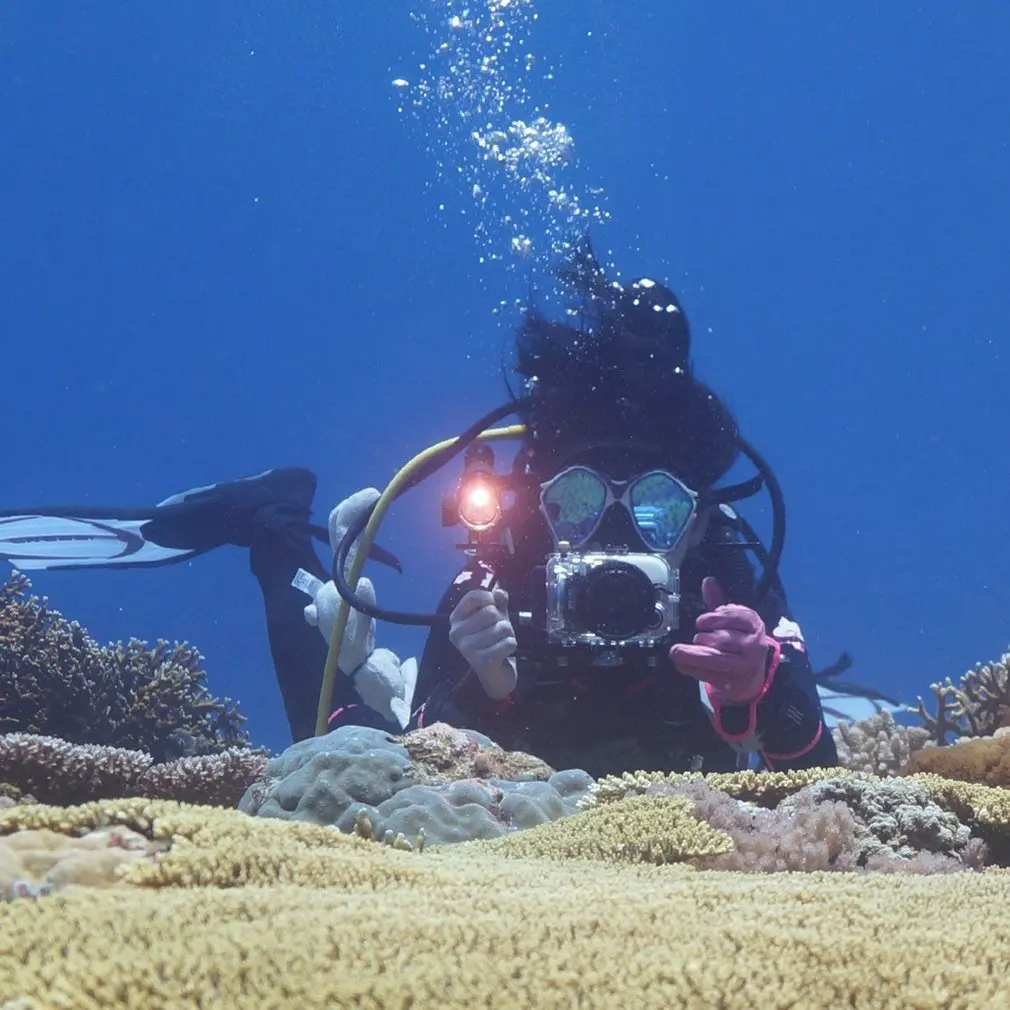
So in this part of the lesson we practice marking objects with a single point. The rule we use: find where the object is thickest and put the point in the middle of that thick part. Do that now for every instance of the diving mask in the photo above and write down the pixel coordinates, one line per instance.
(661, 508)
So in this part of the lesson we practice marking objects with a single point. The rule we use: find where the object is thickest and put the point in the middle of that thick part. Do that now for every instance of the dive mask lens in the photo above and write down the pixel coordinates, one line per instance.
(662, 508)
(574, 503)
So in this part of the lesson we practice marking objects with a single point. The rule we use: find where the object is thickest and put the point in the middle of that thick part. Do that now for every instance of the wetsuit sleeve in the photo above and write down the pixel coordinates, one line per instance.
(447, 689)
(785, 723)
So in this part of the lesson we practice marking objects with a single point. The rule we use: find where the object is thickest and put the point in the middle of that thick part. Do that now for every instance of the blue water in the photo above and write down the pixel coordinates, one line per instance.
(223, 249)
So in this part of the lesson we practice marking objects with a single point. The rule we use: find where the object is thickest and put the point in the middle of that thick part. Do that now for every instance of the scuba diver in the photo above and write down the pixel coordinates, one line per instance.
(610, 618)
(608, 615)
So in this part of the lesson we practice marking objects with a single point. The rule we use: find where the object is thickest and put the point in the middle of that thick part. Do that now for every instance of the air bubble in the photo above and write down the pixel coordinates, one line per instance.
(482, 121)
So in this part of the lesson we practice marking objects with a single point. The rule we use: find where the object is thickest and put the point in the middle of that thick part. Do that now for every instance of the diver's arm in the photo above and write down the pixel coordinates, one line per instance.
(790, 722)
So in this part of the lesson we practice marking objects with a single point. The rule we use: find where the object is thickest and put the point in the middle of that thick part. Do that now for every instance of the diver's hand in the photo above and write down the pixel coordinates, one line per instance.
(730, 649)
(480, 628)
(383, 683)
(358, 642)
(345, 515)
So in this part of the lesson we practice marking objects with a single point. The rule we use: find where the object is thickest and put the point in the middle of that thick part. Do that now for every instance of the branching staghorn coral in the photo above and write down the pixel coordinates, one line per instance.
(55, 680)
(977, 706)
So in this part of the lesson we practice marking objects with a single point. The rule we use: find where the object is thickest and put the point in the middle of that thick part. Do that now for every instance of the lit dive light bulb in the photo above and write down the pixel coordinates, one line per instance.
(478, 504)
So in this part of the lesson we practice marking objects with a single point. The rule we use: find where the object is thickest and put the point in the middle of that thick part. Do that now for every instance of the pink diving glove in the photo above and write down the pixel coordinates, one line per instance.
(730, 649)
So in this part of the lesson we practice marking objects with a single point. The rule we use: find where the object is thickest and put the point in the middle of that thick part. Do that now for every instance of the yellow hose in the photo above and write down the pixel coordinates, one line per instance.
(364, 546)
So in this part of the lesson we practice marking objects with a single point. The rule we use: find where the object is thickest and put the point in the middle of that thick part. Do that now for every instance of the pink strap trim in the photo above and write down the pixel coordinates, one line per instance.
(338, 713)
(773, 665)
(642, 685)
(803, 750)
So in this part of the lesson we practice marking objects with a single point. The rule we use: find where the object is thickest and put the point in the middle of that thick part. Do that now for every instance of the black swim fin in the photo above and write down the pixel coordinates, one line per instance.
(181, 527)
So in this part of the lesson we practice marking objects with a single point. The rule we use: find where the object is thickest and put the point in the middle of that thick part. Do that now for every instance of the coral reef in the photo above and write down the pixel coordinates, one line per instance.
(985, 760)
(365, 781)
(442, 753)
(808, 837)
(976, 706)
(57, 681)
(641, 829)
(844, 824)
(228, 910)
(764, 788)
(896, 819)
(427, 781)
(192, 846)
(58, 772)
(893, 810)
(37, 862)
(878, 745)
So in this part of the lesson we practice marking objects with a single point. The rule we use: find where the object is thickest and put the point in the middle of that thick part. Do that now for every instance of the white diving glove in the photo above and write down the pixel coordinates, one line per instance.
(480, 628)
(383, 683)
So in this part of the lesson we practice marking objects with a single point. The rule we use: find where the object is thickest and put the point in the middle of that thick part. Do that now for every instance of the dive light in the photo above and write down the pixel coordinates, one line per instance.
(477, 503)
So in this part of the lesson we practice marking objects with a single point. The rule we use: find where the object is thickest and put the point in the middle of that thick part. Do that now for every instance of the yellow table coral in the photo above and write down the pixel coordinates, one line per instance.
(242, 912)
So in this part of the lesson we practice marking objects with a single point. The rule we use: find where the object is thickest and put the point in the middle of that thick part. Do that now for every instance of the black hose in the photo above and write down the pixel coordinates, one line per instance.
(770, 565)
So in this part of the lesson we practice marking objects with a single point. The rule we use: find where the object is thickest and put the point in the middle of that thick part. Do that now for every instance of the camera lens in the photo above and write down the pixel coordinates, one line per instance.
(615, 601)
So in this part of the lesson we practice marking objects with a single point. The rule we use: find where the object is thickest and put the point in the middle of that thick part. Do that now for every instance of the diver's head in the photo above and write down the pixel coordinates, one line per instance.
(617, 391)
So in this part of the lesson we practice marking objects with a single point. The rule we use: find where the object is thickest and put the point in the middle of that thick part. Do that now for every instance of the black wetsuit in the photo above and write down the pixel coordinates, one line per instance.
(630, 717)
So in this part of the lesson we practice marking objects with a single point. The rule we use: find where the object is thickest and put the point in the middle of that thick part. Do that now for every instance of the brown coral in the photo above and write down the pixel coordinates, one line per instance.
(764, 788)
(985, 760)
(638, 829)
(38, 861)
(55, 771)
(441, 753)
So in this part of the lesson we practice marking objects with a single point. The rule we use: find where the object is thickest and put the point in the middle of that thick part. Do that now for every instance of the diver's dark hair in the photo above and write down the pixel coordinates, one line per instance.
(622, 376)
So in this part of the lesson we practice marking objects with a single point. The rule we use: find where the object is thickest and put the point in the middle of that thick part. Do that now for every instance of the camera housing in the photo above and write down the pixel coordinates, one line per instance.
(610, 599)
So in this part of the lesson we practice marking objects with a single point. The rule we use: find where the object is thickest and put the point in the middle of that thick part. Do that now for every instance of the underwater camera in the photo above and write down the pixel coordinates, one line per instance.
(613, 599)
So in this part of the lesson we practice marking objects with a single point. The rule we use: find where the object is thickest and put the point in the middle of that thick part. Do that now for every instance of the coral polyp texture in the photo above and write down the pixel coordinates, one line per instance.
(985, 760)
(135, 903)
(878, 745)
